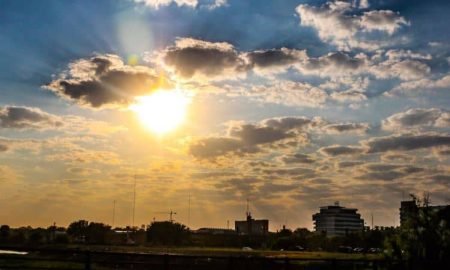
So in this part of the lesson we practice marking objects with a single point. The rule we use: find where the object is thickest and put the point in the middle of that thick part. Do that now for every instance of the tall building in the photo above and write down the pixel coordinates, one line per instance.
(410, 210)
(252, 226)
(337, 220)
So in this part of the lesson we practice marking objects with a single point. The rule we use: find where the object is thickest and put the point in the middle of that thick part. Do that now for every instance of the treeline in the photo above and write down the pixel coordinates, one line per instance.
(425, 236)
(168, 233)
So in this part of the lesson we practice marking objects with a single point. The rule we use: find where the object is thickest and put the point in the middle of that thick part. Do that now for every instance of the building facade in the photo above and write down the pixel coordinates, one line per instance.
(409, 211)
(336, 220)
(252, 226)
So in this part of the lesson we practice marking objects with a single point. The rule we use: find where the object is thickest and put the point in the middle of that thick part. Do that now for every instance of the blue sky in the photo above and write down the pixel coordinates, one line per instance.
(329, 99)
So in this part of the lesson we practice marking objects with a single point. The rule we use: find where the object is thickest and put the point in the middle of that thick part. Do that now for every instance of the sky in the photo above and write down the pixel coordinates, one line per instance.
(204, 104)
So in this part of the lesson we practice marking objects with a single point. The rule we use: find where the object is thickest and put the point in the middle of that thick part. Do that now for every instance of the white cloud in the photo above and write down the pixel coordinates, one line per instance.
(156, 4)
(336, 23)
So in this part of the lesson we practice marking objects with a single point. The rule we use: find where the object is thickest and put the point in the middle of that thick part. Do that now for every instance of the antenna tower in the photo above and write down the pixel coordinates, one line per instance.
(114, 213)
(134, 199)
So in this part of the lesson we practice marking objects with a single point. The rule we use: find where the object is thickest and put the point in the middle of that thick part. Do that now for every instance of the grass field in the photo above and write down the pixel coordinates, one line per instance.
(209, 251)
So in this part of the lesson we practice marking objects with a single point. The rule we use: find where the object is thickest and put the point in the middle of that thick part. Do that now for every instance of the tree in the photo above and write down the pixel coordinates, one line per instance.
(4, 233)
(97, 233)
(78, 230)
(168, 233)
(89, 232)
(424, 236)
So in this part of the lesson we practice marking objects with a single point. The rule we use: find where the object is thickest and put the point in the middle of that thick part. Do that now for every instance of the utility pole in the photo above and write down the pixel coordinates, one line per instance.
(171, 214)
(248, 209)
(134, 200)
(189, 210)
(114, 213)
(372, 219)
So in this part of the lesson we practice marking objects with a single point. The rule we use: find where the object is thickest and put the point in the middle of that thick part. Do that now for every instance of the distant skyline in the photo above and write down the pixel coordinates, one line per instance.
(291, 104)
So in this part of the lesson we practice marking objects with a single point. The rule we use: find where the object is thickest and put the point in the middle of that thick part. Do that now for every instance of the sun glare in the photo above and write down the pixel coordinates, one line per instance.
(162, 111)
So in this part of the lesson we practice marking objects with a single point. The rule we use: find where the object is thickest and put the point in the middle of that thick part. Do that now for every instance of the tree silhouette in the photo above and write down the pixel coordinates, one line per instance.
(168, 233)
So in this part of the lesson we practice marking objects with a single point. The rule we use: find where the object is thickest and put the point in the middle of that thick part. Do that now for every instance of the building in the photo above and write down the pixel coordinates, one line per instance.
(337, 220)
(410, 209)
(215, 231)
(252, 226)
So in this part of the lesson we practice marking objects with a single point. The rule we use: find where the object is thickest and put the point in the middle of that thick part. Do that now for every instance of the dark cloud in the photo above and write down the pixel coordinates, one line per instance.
(249, 138)
(388, 172)
(269, 188)
(347, 128)
(190, 56)
(27, 118)
(297, 158)
(210, 148)
(335, 61)
(417, 118)
(384, 176)
(242, 186)
(301, 172)
(104, 80)
(347, 164)
(3, 148)
(443, 179)
(288, 123)
(254, 135)
(337, 150)
(406, 142)
(274, 57)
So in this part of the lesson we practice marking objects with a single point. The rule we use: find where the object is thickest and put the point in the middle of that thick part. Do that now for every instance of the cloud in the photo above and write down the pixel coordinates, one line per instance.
(340, 23)
(213, 147)
(248, 138)
(388, 172)
(253, 135)
(349, 96)
(334, 64)
(289, 123)
(298, 172)
(82, 171)
(104, 80)
(357, 128)
(338, 150)
(421, 84)
(27, 118)
(193, 57)
(442, 179)
(276, 133)
(205, 60)
(417, 118)
(3, 148)
(273, 60)
(297, 158)
(348, 164)
(404, 69)
(7, 174)
(160, 3)
(289, 93)
(406, 142)
(156, 4)
(80, 155)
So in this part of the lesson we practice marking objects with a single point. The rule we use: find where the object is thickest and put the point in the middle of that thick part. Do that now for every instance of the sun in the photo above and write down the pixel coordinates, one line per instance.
(163, 111)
